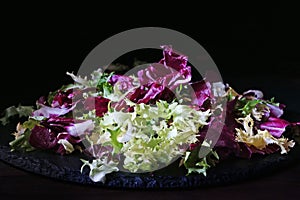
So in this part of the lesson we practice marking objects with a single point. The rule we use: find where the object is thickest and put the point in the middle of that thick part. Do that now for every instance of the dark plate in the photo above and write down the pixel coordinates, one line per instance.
(67, 168)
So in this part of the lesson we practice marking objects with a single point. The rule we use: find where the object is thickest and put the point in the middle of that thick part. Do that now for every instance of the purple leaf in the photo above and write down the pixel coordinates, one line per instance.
(125, 82)
(275, 126)
(47, 112)
(42, 138)
(62, 99)
(202, 92)
(79, 129)
(143, 95)
(276, 111)
(99, 103)
(173, 59)
(159, 80)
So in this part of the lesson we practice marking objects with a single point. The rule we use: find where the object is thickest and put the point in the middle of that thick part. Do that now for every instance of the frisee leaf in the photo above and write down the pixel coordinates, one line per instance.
(12, 111)
(248, 105)
(103, 85)
(117, 145)
(22, 142)
(193, 163)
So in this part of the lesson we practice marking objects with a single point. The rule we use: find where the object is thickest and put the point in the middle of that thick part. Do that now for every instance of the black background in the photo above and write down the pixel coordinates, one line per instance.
(253, 47)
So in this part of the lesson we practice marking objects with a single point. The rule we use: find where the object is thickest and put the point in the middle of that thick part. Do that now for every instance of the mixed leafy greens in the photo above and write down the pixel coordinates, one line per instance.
(142, 122)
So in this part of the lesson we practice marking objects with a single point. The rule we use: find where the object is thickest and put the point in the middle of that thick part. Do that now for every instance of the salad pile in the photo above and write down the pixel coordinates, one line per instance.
(145, 121)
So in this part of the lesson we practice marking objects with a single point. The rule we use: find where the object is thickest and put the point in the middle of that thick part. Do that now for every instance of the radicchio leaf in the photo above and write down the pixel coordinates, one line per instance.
(276, 111)
(202, 91)
(275, 126)
(125, 83)
(42, 138)
(47, 112)
(99, 103)
(159, 80)
(79, 129)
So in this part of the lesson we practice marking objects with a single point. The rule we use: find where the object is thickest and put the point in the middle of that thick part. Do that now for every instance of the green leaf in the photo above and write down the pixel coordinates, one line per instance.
(272, 101)
(22, 142)
(117, 145)
(103, 85)
(197, 170)
(192, 158)
(193, 163)
(20, 111)
(200, 167)
(246, 105)
(24, 111)
(30, 124)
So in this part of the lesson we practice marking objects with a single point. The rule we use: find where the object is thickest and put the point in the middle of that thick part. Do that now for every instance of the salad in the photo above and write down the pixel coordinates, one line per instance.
(145, 121)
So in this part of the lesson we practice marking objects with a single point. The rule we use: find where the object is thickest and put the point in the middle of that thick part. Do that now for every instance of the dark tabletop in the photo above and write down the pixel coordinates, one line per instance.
(18, 184)
(252, 51)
